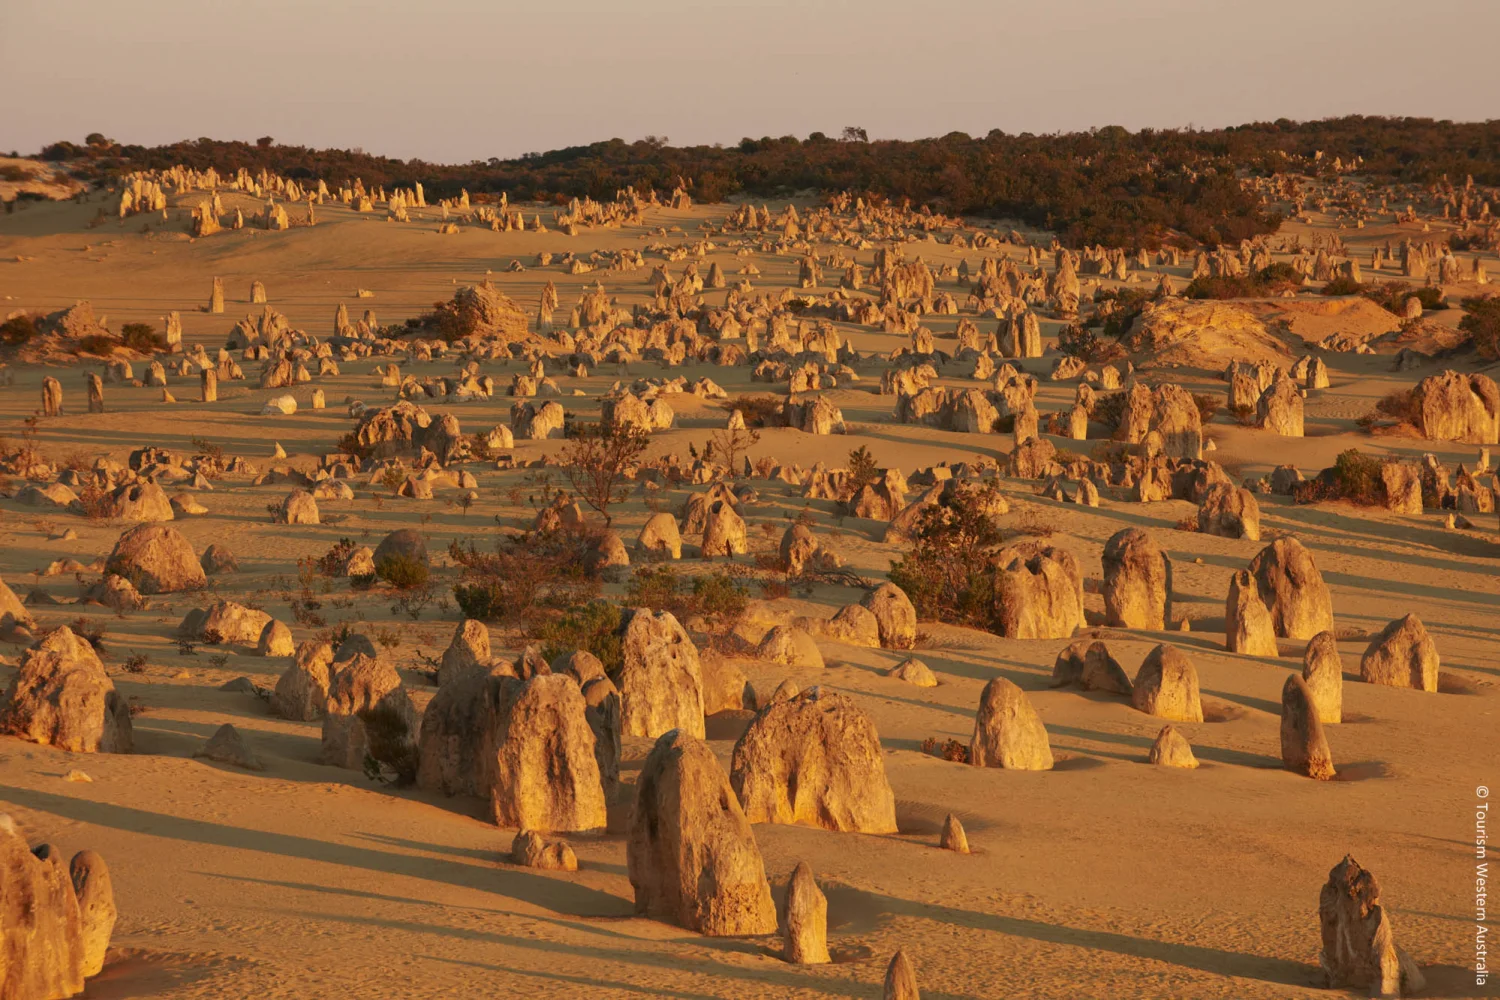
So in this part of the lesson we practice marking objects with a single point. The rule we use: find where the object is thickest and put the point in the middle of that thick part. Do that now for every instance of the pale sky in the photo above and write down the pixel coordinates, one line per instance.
(456, 80)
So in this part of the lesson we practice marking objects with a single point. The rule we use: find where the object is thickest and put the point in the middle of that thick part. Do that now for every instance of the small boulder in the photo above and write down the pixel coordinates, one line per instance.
(227, 746)
(531, 850)
(895, 615)
(275, 640)
(1007, 731)
(791, 647)
(1403, 655)
(914, 672)
(1166, 686)
(1172, 749)
(952, 838)
(157, 560)
(302, 691)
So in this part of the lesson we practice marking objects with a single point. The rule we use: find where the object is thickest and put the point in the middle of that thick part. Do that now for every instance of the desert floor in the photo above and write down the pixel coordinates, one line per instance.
(1105, 877)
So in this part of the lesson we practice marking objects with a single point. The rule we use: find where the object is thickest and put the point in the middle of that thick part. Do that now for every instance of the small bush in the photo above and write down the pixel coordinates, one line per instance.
(948, 573)
(1109, 407)
(1357, 476)
(402, 572)
(1187, 524)
(1244, 414)
(594, 627)
(18, 330)
(96, 343)
(1392, 296)
(1342, 285)
(947, 749)
(1401, 405)
(391, 750)
(142, 337)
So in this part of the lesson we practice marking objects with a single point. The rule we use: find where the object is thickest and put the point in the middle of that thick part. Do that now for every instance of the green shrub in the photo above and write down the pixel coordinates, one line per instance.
(758, 410)
(948, 574)
(1358, 477)
(391, 747)
(1482, 322)
(96, 343)
(483, 600)
(594, 627)
(1342, 285)
(402, 572)
(142, 337)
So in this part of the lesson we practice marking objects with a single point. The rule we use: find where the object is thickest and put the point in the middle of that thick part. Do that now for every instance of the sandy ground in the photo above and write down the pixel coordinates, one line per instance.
(1104, 877)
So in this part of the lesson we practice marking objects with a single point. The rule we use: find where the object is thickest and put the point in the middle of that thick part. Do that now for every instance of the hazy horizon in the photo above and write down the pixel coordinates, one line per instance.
(470, 81)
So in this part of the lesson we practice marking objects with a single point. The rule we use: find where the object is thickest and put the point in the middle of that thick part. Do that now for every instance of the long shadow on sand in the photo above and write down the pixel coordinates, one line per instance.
(551, 894)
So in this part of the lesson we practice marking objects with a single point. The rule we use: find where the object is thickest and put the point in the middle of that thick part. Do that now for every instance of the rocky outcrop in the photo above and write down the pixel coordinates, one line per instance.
(804, 919)
(1292, 589)
(365, 689)
(61, 697)
(661, 680)
(1304, 748)
(1137, 581)
(815, 760)
(1230, 512)
(1402, 655)
(1359, 947)
(546, 775)
(1038, 592)
(1088, 665)
(1323, 670)
(1457, 407)
(691, 854)
(302, 690)
(1248, 627)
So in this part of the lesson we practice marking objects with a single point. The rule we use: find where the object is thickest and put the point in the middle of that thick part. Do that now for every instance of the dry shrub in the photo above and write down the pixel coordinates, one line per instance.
(947, 749)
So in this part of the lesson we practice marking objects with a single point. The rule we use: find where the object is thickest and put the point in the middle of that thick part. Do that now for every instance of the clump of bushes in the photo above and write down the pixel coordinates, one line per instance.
(1354, 476)
(719, 599)
(97, 344)
(947, 749)
(1270, 280)
(1392, 295)
(1207, 406)
(528, 577)
(390, 749)
(758, 410)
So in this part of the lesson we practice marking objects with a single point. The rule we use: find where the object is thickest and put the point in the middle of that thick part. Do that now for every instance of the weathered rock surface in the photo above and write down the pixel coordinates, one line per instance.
(62, 697)
(1007, 731)
(1402, 655)
(815, 760)
(691, 854)
(1166, 686)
